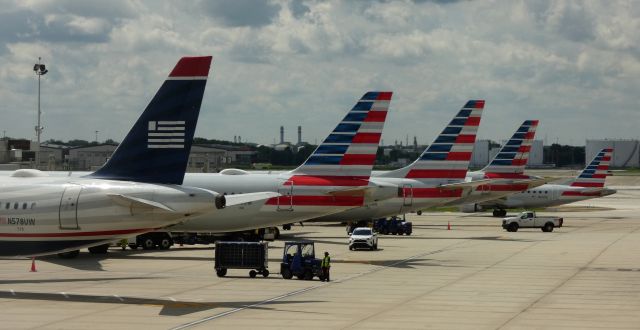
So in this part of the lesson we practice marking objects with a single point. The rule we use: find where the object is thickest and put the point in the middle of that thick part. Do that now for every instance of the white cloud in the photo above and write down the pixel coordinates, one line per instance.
(569, 64)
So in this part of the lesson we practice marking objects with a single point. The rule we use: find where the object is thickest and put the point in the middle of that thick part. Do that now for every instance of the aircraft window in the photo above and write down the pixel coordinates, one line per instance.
(7, 205)
(33, 205)
(24, 206)
(15, 205)
(546, 192)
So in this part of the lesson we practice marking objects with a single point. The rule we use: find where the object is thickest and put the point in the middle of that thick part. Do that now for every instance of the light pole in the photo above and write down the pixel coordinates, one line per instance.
(40, 70)
(97, 136)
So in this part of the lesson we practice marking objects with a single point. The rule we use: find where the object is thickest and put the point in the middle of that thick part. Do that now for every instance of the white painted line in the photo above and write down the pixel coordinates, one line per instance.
(118, 297)
(13, 293)
(301, 291)
(64, 294)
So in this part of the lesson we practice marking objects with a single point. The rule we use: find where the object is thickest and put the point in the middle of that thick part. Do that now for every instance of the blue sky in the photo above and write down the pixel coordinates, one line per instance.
(574, 65)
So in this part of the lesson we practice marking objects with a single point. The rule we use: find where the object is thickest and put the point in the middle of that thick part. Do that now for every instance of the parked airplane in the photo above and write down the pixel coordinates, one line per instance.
(136, 191)
(589, 184)
(505, 171)
(333, 179)
(435, 178)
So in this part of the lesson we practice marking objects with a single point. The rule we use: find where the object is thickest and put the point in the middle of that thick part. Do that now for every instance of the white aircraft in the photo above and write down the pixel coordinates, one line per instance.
(136, 191)
(505, 172)
(333, 179)
(435, 178)
(589, 184)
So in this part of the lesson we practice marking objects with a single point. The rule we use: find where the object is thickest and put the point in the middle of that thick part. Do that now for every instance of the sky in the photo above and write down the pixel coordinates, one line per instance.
(574, 65)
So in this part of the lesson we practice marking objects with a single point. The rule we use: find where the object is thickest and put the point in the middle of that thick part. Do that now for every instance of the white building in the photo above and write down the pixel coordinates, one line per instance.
(626, 153)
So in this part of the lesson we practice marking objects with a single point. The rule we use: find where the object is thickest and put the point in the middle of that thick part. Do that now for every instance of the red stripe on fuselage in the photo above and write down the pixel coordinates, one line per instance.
(309, 180)
(301, 200)
(588, 184)
(495, 175)
(80, 234)
(502, 187)
(581, 193)
(431, 192)
(438, 174)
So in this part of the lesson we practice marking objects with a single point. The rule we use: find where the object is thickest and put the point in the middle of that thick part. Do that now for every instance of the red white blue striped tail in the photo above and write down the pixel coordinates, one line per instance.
(596, 172)
(514, 155)
(347, 155)
(447, 158)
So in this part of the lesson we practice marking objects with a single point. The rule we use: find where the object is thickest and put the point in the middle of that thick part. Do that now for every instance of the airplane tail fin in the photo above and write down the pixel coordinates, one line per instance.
(514, 155)
(596, 172)
(156, 150)
(349, 152)
(448, 157)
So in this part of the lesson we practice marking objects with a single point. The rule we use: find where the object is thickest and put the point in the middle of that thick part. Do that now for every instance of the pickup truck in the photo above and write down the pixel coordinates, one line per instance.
(528, 219)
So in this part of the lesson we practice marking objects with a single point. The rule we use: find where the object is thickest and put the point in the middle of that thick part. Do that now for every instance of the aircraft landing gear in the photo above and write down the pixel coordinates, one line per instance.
(499, 212)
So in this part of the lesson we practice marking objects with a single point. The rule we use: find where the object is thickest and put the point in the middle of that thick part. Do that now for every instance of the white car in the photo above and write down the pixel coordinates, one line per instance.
(363, 237)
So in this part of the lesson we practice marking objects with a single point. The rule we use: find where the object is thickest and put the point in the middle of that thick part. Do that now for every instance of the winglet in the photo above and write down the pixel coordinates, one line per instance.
(156, 150)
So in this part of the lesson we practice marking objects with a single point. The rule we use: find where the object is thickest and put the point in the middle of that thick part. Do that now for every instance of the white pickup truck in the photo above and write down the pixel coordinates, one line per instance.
(528, 219)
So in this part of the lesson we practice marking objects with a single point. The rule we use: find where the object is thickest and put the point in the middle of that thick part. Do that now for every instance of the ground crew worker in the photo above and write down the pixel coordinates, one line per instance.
(325, 265)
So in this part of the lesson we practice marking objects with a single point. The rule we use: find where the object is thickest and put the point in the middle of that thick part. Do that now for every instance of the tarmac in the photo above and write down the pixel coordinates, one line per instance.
(476, 275)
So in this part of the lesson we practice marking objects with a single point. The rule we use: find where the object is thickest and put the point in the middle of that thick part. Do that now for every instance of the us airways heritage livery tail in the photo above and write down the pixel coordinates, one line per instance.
(135, 192)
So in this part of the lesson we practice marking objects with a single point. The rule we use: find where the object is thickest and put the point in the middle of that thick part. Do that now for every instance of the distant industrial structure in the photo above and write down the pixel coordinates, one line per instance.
(626, 153)
(283, 145)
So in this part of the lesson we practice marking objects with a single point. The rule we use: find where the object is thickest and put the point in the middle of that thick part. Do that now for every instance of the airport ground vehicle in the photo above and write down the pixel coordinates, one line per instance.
(299, 260)
(393, 226)
(242, 255)
(529, 219)
(363, 237)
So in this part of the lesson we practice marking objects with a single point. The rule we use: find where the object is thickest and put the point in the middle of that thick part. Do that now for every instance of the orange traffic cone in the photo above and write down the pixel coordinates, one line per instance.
(448, 225)
(33, 265)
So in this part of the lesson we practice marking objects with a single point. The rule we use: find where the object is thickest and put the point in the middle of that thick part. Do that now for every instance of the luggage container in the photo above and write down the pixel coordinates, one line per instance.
(242, 255)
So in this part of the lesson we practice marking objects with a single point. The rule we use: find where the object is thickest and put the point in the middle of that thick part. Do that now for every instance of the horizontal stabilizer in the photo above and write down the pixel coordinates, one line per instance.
(238, 199)
(464, 185)
(134, 202)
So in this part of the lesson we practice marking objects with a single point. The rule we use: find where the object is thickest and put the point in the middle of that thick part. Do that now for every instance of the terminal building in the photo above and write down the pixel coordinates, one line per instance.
(626, 153)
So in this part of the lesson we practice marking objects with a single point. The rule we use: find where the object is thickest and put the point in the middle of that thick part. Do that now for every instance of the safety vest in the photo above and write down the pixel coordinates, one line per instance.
(326, 262)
